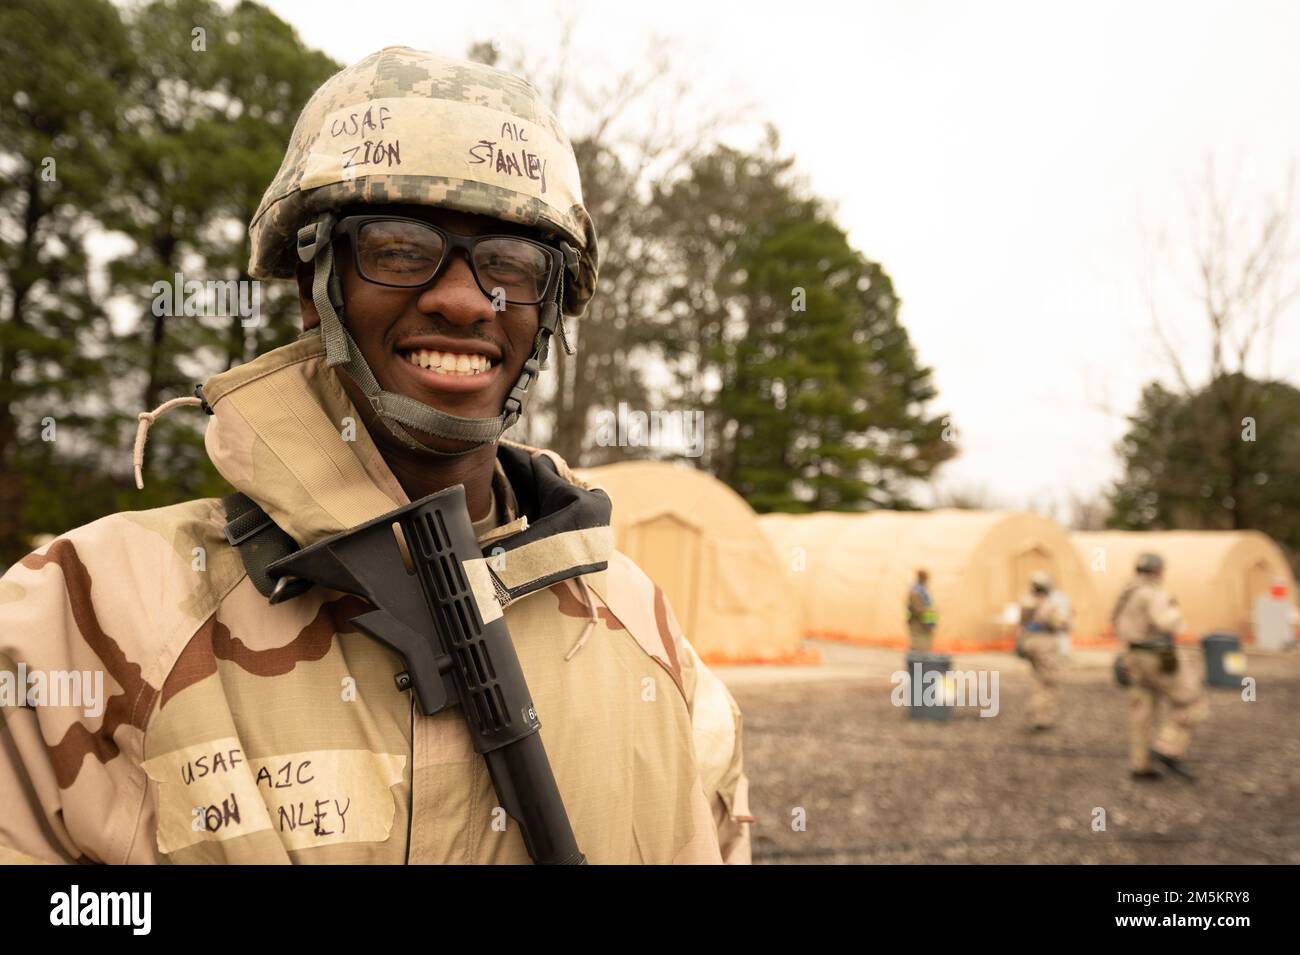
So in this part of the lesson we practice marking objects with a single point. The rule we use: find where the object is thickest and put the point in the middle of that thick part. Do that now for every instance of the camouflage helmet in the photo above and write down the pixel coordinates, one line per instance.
(1150, 564)
(406, 126)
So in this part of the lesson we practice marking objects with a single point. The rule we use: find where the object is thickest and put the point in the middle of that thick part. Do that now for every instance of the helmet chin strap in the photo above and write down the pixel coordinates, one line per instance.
(401, 412)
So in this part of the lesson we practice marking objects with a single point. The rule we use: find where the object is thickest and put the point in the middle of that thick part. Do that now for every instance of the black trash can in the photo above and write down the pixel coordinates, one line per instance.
(1225, 662)
(928, 695)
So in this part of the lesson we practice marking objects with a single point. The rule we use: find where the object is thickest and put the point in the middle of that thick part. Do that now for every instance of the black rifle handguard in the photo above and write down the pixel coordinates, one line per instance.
(452, 656)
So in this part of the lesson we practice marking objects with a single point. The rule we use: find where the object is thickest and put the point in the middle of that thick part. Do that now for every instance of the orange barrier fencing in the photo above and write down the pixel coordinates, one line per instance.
(810, 656)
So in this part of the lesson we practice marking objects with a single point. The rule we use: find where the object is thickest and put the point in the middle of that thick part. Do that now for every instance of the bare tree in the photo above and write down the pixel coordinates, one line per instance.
(629, 129)
(1243, 273)
(1219, 452)
(1087, 512)
(968, 497)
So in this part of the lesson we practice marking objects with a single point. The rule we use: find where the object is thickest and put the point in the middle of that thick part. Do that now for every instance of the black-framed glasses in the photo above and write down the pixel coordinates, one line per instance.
(408, 253)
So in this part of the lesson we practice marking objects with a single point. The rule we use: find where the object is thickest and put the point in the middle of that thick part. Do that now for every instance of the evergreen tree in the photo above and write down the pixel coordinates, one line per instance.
(790, 341)
(157, 128)
(62, 67)
(210, 114)
(1227, 457)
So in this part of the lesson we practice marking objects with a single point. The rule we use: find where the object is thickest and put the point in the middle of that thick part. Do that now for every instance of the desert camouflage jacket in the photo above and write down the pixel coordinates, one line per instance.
(1044, 613)
(231, 730)
(1144, 612)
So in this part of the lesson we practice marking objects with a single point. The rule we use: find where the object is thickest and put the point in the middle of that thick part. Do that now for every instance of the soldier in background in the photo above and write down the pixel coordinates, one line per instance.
(1044, 619)
(921, 615)
(1146, 618)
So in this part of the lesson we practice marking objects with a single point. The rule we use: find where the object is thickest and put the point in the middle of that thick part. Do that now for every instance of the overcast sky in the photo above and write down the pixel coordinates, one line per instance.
(996, 158)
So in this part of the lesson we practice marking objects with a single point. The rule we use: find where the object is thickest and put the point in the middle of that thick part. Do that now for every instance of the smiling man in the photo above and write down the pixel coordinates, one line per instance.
(431, 213)
(458, 345)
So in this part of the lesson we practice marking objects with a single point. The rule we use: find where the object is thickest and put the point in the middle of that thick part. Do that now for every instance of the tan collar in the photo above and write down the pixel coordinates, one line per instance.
(285, 433)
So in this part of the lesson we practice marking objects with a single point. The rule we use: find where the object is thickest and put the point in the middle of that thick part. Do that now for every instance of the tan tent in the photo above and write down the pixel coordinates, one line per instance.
(1216, 575)
(700, 542)
(853, 572)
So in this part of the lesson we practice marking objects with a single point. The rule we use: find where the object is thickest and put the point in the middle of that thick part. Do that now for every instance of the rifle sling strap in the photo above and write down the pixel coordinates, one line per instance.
(260, 542)
(1120, 605)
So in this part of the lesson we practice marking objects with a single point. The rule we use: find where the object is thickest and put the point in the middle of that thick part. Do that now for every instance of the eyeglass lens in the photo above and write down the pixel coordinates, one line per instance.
(407, 254)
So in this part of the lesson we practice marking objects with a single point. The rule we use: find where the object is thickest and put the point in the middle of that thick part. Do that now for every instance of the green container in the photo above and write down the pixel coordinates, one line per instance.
(929, 696)
(1225, 662)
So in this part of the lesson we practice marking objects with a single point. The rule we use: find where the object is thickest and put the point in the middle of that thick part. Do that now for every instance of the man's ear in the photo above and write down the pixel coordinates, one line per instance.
(310, 317)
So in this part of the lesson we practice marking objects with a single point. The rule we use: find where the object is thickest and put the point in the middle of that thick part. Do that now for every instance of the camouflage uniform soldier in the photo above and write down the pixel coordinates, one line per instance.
(1044, 619)
(921, 614)
(1146, 618)
(431, 212)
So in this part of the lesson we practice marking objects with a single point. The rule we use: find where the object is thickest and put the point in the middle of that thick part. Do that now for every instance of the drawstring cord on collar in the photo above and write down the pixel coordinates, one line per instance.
(591, 621)
(147, 418)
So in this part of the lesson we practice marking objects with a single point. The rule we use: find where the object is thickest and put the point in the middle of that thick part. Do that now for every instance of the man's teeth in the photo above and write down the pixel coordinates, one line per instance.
(449, 363)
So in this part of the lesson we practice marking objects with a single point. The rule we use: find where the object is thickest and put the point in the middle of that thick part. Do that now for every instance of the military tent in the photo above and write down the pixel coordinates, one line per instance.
(701, 543)
(853, 572)
(1215, 575)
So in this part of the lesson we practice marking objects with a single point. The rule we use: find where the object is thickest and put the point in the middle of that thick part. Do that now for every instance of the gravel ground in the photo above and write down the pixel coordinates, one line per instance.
(878, 787)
